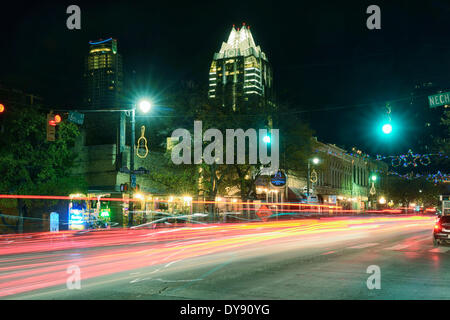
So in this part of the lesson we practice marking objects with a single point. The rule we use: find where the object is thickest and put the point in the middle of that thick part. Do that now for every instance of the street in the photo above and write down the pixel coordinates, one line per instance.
(323, 258)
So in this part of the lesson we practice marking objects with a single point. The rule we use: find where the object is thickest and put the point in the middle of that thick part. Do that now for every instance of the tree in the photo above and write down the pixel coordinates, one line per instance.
(170, 178)
(420, 191)
(186, 104)
(31, 165)
(443, 142)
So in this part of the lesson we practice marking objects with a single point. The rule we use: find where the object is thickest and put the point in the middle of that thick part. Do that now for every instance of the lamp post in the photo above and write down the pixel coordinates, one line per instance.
(144, 106)
(315, 160)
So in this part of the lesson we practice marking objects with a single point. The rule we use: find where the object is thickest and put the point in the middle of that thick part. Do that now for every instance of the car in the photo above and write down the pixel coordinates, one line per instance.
(441, 231)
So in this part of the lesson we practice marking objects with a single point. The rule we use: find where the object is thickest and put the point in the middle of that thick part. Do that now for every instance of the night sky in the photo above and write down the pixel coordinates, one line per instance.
(338, 73)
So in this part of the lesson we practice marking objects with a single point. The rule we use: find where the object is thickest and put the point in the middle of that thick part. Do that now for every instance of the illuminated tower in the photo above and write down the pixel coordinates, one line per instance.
(103, 75)
(240, 74)
(103, 80)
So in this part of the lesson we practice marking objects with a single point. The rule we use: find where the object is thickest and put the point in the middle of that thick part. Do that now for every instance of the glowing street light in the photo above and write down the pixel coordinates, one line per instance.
(139, 196)
(387, 128)
(145, 106)
(266, 139)
(316, 160)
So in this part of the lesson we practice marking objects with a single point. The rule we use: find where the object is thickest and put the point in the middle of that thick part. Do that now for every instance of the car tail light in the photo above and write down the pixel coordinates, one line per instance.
(437, 227)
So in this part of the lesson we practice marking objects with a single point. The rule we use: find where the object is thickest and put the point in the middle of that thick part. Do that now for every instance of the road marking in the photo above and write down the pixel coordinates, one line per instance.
(170, 263)
(398, 247)
(440, 249)
(425, 238)
(365, 245)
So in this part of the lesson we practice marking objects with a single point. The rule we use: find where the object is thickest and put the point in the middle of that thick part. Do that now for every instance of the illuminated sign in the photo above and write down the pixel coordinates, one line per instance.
(278, 179)
(76, 219)
(439, 99)
(105, 213)
(54, 222)
(90, 42)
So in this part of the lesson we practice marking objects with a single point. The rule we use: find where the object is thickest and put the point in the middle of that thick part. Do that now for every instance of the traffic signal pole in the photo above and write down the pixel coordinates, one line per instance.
(132, 150)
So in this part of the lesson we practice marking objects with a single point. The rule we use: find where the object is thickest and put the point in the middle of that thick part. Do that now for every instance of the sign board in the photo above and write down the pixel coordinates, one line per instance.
(54, 222)
(141, 170)
(278, 179)
(124, 170)
(76, 117)
(439, 99)
(76, 219)
(332, 199)
(305, 190)
(264, 213)
(133, 181)
(446, 208)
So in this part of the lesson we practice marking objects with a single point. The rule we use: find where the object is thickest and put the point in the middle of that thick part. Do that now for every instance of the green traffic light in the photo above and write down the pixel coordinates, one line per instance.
(373, 178)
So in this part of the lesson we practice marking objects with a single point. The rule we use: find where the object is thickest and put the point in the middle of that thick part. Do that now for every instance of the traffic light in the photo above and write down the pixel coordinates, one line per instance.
(2, 108)
(52, 122)
(373, 178)
(57, 118)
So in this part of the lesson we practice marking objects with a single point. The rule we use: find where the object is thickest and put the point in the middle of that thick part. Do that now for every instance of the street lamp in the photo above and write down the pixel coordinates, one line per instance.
(315, 160)
(387, 128)
(144, 106)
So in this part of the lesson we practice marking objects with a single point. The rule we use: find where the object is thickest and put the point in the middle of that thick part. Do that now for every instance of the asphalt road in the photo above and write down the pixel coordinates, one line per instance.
(297, 259)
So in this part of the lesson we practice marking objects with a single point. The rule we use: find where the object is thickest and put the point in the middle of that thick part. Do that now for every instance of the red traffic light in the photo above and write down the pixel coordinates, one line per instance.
(54, 120)
(2, 108)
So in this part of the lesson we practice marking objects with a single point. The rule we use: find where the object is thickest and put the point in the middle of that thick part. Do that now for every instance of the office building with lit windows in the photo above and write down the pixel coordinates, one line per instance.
(103, 84)
(241, 75)
(103, 75)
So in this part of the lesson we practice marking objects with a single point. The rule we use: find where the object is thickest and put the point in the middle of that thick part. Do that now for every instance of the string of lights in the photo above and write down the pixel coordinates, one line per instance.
(412, 159)
(436, 178)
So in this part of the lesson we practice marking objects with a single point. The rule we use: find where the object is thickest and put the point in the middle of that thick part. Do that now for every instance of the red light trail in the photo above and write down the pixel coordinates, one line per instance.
(99, 253)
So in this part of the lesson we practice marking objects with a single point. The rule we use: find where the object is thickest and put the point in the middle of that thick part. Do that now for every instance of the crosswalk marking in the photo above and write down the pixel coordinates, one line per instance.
(364, 245)
(440, 249)
(398, 247)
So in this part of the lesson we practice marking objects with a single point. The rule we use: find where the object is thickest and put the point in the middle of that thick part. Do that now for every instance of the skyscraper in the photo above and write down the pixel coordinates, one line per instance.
(103, 75)
(103, 80)
(240, 73)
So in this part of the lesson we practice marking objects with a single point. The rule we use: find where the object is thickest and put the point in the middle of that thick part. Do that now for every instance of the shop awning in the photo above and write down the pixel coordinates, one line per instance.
(295, 194)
